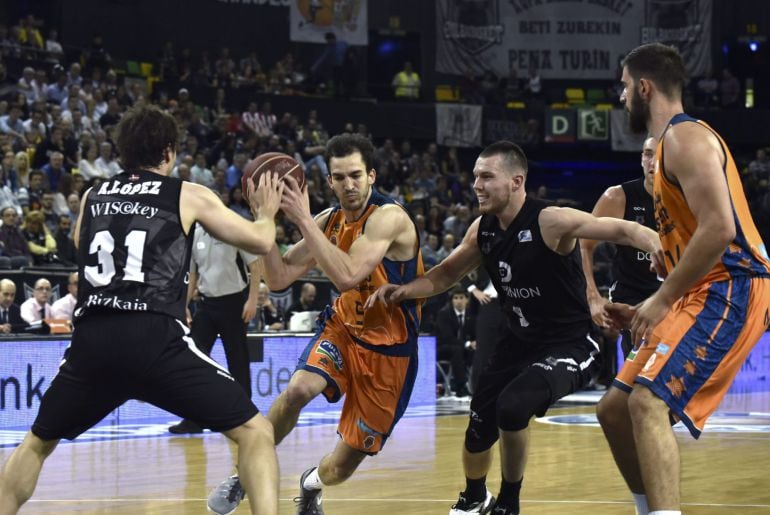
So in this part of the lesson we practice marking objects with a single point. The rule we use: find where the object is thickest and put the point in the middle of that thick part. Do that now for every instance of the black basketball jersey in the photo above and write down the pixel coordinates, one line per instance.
(542, 293)
(133, 253)
(633, 280)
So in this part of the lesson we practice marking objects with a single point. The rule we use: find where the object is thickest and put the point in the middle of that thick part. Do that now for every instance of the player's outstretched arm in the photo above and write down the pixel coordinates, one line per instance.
(199, 203)
(561, 226)
(463, 259)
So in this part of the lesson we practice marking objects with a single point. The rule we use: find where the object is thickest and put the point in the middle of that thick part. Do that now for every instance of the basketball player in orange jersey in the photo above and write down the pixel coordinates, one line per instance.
(695, 332)
(371, 356)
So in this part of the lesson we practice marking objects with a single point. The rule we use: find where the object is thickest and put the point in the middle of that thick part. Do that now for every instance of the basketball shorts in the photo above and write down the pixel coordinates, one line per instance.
(116, 356)
(566, 368)
(697, 350)
(377, 381)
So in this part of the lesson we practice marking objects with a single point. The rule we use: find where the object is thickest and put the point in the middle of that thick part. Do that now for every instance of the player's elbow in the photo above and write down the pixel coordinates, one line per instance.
(725, 234)
(259, 246)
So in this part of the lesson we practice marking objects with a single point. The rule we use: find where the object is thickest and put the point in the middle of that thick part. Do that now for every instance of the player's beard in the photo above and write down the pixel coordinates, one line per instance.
(354, 205)
(638, 114)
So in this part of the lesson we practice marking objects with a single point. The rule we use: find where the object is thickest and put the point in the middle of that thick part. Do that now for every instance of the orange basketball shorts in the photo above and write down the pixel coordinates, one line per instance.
(376, 380)
(698, 349)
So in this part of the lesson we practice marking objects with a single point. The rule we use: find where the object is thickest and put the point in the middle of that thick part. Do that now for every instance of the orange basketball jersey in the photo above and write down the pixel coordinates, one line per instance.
(745, 256)
(379, 325)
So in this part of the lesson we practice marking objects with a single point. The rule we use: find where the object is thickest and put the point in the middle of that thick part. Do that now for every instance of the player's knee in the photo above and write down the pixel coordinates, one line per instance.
(513, 412)
(642, 403)
(611, 410)
(480, 437)
(42, 448)
(299, 393)
(258, 428)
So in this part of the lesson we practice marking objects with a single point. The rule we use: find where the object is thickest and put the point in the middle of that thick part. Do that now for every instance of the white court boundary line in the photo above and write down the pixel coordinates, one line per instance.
(391, 500)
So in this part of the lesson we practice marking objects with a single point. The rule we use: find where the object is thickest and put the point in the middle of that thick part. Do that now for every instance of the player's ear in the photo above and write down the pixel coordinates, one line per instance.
(645, 88)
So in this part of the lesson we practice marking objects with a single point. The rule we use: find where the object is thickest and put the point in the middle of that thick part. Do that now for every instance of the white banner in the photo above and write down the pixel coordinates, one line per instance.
(458, 125)
(564, 39)
(623, 140)
(310, 20)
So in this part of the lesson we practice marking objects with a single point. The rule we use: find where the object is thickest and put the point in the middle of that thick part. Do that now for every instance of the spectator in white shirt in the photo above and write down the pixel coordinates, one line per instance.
(29, 86)
(53, 47)
(34, 126)
(62, 309)
(87, 166)
(37, 308)
(200, 173)
(106, 165)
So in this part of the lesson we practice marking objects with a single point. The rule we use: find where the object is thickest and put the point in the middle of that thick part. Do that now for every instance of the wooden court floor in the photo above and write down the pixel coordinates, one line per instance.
(570, 471)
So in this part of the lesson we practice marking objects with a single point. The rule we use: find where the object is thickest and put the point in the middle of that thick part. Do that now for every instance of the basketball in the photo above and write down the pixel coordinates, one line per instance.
(276, 162)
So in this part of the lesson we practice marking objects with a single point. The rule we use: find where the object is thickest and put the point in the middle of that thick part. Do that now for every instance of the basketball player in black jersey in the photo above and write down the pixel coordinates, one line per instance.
(532, 256)
(134, 235)
(633, 280)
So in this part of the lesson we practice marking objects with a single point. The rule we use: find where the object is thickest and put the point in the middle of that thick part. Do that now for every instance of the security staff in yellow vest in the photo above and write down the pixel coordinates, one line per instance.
(406, 83)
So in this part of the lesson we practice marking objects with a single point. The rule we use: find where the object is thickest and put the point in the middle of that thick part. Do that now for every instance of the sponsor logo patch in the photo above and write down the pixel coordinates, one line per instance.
(525, 235)
(328, 349)
(650, 363)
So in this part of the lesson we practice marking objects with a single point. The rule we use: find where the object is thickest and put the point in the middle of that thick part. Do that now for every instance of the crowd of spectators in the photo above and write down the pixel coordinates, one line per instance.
(59, 112)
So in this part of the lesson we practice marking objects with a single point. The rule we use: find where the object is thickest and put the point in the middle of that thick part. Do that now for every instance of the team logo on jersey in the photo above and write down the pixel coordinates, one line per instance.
(335, 231)
(371, 434)
(662, 349)
(331, 351)
(525, 235)
(505, 271)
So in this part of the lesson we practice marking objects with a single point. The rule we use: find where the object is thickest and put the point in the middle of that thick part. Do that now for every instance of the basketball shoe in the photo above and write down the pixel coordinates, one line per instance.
(225, 498)
(464, 506)
(309, 501)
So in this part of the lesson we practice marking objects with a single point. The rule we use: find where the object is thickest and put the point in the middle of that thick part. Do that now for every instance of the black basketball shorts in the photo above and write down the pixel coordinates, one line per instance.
(566, 367)
(116, 356)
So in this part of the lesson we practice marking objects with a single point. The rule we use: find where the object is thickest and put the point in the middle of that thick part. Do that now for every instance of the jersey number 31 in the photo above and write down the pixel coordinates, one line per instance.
(103, 246)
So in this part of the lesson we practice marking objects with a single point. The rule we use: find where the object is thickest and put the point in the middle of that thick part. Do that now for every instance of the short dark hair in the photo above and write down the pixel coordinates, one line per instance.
(513, 155)
(144, 133)
(659, 63)
(459, 290)
(343, 145)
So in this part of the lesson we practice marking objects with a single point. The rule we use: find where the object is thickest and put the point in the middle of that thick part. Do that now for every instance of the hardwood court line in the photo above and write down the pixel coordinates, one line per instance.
(392, 500)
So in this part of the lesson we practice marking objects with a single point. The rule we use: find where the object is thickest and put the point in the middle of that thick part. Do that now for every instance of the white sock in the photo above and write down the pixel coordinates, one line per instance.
(666, 512)
(641, 504)
(313, 481)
